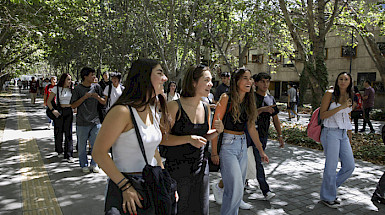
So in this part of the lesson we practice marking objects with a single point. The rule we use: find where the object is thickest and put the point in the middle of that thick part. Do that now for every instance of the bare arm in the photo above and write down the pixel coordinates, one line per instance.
(49, 100)
(158, 158)
(325, 103)
(78, 102)
(255, 137)
(277, 125)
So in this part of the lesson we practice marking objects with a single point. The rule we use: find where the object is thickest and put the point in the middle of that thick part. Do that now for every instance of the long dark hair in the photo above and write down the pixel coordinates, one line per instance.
(337, 92)
(194, 73)
(138, 90)
(168, 87)
(62, 80)
(248, 101)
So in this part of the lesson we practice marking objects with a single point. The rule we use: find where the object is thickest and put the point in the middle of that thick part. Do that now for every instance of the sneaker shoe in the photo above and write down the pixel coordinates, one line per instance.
(298, 117)
(337, 201)
(71, 160)
(245, 206)
(269, 195)
(94, 169)
(49, 126)
(330, 204)
(85, 169)
(255, 196)
(218, 193)
(59, 155)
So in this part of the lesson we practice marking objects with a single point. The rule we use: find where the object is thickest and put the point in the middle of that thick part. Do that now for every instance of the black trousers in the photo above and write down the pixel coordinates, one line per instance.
(367, 118)
(193, 192)
(63, 124)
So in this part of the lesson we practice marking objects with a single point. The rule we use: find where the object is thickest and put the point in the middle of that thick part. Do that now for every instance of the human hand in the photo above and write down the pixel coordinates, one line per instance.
(269, 109)
(87, 95)
(131, 200)
(56, 113)
(218, 125)
(197, 141)
(264, 157)
(215, 159)
(281, 142)
(347, 103)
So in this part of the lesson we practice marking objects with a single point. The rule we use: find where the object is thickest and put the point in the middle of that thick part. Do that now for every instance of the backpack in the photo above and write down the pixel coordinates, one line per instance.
(315, 126)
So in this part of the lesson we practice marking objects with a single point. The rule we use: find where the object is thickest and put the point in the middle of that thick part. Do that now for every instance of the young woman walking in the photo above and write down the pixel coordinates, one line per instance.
(64, 116)
(142, 88)
(336, 137)
(185, 147)
(238, 109)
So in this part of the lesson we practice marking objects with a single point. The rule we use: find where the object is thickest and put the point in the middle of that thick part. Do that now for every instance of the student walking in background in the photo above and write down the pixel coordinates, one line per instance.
(336, 137)
(114, 90)
(86, 99)
(292, 101)
(267, 109)
(368, 105)
(64, 117)
(172, 91)
(357, 108)
(142, 88)
(185, 147)
(33, 86)
(47, 91)
(238, 110)
(224, 87)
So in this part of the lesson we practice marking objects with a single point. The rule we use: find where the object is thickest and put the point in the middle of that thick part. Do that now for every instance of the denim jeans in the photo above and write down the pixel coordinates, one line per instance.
(260, 171)
(233, 161)
(83, 134)
(336, 146)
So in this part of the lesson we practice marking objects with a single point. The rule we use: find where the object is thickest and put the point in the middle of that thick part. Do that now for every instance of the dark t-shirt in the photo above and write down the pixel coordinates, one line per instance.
(87, 114)
(263, 121)
(104, 84)
(33, 87)
(223, 88)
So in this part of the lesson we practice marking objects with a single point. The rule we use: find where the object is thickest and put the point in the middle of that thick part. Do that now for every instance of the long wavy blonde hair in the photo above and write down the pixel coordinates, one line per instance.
(248, 100)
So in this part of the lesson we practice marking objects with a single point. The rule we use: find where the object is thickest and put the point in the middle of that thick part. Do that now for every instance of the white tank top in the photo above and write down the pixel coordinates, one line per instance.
(340, 120)
(126, 151)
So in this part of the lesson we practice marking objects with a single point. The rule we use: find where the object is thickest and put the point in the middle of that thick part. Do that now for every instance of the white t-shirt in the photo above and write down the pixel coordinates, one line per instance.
(116, 92)
(64, 95)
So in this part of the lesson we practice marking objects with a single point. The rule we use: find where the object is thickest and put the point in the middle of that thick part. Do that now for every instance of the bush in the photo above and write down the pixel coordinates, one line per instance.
(368, 147)
(377, 114)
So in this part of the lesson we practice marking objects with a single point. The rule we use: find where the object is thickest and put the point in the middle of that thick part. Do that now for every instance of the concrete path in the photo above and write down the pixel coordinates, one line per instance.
(34, 181)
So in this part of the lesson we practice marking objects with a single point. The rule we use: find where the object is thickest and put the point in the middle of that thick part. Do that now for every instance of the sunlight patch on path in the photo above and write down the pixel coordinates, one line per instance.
(37, 191)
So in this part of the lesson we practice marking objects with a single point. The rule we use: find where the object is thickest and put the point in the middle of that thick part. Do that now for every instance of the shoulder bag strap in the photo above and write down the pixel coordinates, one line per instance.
(109, 94)
(58, 97)
(138, 135)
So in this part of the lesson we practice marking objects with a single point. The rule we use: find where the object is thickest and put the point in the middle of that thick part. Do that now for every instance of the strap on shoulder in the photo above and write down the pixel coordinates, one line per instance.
(138, 135)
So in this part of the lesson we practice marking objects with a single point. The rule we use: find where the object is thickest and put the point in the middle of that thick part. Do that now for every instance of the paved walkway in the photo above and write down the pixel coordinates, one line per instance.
(34, 181)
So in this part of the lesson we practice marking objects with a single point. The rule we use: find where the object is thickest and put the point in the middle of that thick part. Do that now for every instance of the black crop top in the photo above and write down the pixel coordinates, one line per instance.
(228, 120)
(186, 155)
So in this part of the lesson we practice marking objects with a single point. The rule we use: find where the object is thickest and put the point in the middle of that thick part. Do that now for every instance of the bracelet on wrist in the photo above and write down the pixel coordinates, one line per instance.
(121, 181)
(127, 188)
(125, 184)
(214, 155)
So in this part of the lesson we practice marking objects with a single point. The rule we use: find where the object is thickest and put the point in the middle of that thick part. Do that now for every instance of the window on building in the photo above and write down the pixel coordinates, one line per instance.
(348, 51)
(257, 58)
(287, 62)
(381, 46)
(275, 58)
(363, 76)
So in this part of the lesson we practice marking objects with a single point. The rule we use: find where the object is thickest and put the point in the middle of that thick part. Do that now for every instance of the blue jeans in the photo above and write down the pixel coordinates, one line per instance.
(336, 146)
(260, 171)
(83, 134)
(233, 157)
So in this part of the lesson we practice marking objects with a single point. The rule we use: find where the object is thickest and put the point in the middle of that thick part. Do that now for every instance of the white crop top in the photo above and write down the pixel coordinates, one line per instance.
(126, 151)
(64, 94)
(340, 120)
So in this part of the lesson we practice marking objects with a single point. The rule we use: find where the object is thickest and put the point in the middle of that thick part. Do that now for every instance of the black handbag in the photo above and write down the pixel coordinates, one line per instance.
(156, 187)
(54, 107)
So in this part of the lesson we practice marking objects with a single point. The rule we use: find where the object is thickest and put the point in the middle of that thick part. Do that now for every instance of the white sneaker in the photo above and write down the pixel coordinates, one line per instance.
(245, 206)
(85, 169)
(59, 155)
(94, 169)
(218, 193)
(255, 196)
(71, 160)
(49, 126)
(269, 195)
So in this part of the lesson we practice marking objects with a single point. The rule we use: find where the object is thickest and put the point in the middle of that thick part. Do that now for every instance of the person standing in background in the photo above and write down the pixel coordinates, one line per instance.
(114, 90)
(105, 81)
(47, 91)
(172, 92)
(224, 87)
(33, 87)
(368, 105)
(291, 101)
